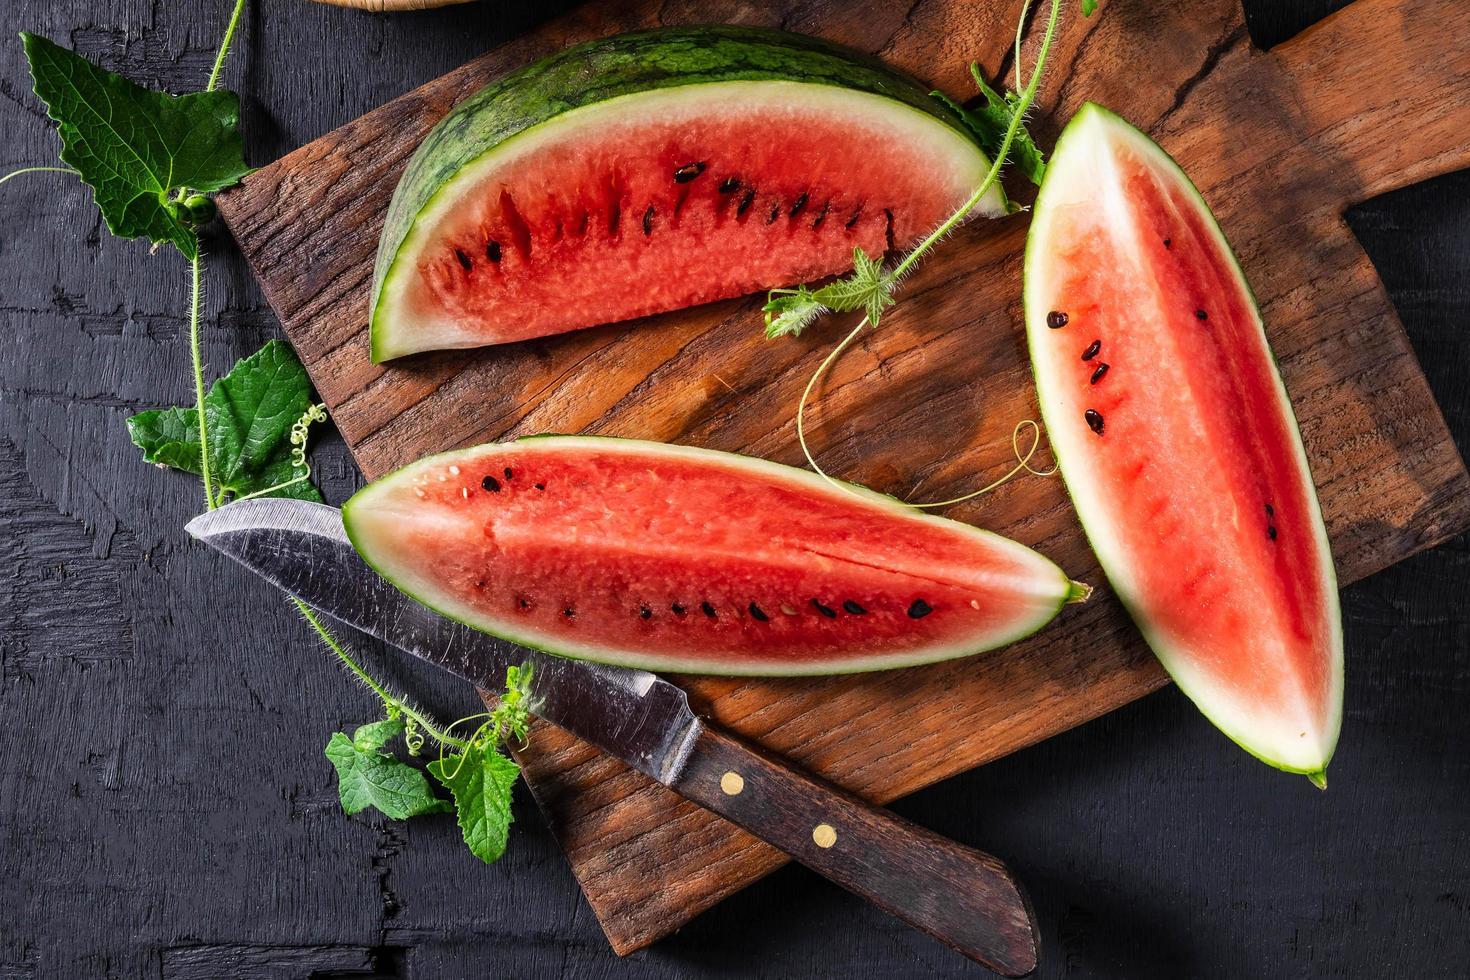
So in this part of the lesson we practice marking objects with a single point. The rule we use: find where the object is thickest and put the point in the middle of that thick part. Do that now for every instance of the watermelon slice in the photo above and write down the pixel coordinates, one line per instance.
(651, 171)
(1177, 441)
(690, 560)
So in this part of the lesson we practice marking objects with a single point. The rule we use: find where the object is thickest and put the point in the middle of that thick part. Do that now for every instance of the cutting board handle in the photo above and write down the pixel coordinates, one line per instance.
(1379, 90)
(960, 896)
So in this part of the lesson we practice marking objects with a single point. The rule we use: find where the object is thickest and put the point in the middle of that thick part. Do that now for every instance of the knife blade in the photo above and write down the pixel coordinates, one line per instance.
(960, 896)
(302, 547)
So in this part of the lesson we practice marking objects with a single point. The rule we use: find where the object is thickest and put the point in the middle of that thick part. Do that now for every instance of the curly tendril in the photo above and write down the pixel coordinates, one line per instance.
(906, 264)
(300, 429)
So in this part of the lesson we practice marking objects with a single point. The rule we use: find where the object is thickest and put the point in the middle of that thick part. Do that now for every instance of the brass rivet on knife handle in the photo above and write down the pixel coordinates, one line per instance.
(958, 895)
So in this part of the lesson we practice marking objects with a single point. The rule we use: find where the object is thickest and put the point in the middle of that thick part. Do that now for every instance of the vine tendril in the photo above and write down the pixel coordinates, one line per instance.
(1023, 101)
(299, 431)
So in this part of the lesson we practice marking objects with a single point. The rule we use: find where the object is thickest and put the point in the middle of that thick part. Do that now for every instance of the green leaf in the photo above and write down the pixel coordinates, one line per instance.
(852, 292)
(790, 311)
(868, 288)
(280, 478)
(168, 437)
(482, 781)
(367, 777)
(511, 716)
(865, 269)
(875, 306)
(844, 294)
(138, 149)
(375, 735)
(1088, 6)
(989, 123)
(249, 414)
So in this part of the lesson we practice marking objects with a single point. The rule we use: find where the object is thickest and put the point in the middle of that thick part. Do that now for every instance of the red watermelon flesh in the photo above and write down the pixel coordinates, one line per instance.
(673, 202)
(1174, 433)
(690, 560)
(650, 171)
(578, 246)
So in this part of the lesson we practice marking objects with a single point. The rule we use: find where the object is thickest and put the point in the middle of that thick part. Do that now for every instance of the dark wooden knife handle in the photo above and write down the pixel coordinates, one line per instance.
(960, 896)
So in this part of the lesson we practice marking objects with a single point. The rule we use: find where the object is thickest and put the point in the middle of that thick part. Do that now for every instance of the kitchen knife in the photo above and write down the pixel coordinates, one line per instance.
(960, 896)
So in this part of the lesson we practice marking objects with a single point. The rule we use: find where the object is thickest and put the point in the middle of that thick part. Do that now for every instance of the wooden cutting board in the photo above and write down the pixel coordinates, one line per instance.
(1280, 142)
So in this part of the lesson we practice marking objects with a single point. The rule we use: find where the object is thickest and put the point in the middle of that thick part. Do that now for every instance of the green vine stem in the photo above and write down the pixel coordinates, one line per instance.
(1027, 96)
(390, 700)
(806, 395)
(210, 500)
(224, 48)
(37, 170)
(1023, 102)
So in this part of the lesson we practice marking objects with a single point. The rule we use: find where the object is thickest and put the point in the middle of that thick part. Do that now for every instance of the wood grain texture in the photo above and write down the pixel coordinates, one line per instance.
(1279, 142)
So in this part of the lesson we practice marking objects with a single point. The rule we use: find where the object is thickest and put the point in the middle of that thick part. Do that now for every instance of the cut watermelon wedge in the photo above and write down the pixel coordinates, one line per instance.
(651, 171)
(689, 560)
(1177, 441)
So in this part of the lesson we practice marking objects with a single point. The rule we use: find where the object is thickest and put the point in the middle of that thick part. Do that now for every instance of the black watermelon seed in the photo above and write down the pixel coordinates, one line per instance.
(677, 609)
(490, 483)
(822, 215)
(1270, 511)
(1092, 350)
(854, 219)
(853, 608)
(508, 473)
(759, 613)
(775, 213)
(1056, 319)
(688, 172)
(540, 486)
(829, 613)
(464, 259)
(1097, 375)
(1168, 243)
(1201, 315)
(1271, 531)
(645, 612)
(569, 612)
(492, 251)
(525, 603)
(648, 221)
(729, 185)
(920, 609)
(709, 610)
(1094, 420)
(796, 207)
(745, 202)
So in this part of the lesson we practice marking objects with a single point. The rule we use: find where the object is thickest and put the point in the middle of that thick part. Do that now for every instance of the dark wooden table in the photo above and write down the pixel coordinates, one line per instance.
(165, 809)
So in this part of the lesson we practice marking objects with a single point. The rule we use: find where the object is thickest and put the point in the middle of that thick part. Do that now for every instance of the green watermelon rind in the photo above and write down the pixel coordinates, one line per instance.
(1068, 591)
(1035, 316)
(618, 70)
